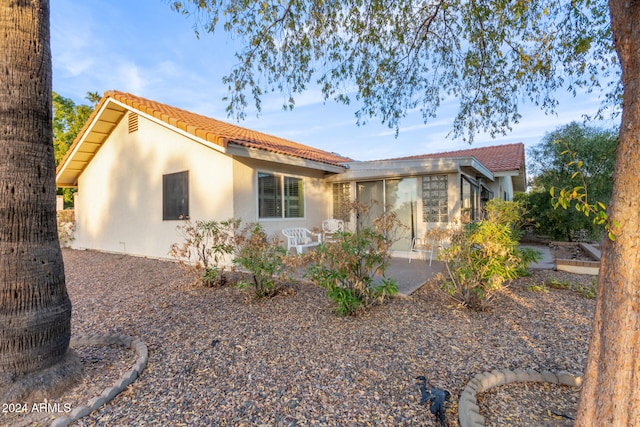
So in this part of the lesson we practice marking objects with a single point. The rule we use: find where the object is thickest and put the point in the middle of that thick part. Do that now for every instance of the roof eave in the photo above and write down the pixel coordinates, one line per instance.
(378, 169)
(82, 150)
(259, 154)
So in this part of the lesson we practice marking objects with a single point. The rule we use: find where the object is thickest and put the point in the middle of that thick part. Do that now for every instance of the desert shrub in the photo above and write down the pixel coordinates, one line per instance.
(66, 227)
(538, 287)
(204, 247)
(348, 267)
(484, 256)
(589, 291)
(554, 283)
(263, 257)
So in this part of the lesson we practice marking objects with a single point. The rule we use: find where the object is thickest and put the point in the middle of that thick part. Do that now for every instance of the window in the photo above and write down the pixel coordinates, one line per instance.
(280, 196)
(269, 196)
(485, 196)
(293, 197)
(341, 198)
(469, 198)
(435, 198)
(175, 196)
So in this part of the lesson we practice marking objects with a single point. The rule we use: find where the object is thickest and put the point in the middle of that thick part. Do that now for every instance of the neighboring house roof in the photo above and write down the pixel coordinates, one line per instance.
(498, 158)
(506, 159)
(114, 105)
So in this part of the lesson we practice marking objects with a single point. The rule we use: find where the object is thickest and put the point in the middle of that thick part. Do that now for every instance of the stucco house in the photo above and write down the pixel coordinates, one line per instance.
(140, 167)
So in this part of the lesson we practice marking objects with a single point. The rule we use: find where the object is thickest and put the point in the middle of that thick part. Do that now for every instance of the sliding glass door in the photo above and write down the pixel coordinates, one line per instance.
(401, 197)
(396, 195)
(371, 194)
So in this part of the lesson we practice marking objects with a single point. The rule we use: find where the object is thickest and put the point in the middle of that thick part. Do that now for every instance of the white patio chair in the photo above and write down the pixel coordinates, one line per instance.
(301, 238)
(422, 246)
(330, 227)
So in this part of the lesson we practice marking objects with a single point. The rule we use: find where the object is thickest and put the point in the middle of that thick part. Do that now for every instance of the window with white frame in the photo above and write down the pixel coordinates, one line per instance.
(280, 196)
(435, 198)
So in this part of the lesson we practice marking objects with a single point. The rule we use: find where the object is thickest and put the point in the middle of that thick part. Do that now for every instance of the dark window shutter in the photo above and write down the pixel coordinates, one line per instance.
(175, 196)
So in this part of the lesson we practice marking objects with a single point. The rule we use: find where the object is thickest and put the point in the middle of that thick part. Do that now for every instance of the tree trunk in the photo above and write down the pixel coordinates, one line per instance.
(611, 391)
(35, 311)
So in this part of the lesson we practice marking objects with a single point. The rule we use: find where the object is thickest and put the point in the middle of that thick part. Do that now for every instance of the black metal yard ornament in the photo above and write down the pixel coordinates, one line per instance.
(436, 398)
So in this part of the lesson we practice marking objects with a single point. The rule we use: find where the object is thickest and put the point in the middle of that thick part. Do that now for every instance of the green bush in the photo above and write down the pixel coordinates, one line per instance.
(554, 283)
(484, 256)
(538, 287)
(589, 291)
(262, 257)
(66, 227)
(204, 248)
(348, 267)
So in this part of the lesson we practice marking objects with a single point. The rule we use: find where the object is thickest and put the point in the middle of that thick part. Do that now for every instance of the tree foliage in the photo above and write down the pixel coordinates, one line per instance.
(392, 57)
(575, 159)
(68, 119)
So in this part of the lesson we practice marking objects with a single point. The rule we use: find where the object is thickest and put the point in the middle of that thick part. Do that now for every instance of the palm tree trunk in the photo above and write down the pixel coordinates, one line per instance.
(35, 310)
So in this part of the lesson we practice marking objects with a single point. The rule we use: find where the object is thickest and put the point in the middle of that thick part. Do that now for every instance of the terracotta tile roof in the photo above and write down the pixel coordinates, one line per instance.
(222, 133)
(498, 158)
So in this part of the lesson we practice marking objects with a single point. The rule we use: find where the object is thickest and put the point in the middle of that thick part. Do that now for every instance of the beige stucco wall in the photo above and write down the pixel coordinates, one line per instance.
(501, 185)
(119, 203)
(317, 194)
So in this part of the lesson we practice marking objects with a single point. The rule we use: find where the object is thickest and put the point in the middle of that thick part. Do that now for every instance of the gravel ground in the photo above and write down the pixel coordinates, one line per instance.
(217, 357)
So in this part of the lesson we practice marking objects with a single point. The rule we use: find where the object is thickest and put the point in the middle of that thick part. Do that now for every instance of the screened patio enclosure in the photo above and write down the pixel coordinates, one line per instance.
(424, 193)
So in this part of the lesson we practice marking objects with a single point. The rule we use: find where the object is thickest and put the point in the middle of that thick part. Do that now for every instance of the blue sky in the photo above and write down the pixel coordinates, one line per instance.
(142, 47)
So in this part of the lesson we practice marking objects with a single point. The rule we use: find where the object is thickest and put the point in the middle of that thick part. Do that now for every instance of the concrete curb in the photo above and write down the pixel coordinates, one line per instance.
(468, 411)
(109, 393)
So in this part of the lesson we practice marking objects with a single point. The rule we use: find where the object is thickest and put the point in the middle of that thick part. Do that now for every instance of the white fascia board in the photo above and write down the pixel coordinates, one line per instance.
(256, 153)
(506, 173)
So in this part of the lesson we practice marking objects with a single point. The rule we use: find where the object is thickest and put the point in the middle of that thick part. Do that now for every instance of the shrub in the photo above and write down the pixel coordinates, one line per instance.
(484, 256)
(589, 291)
(263, 257)
(204, 248)
(66, 227)
(347, 267)
(554, 283)
(538, 287)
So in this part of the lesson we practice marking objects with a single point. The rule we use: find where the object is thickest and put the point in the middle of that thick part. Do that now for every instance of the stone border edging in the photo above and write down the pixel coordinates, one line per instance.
(110, 392)
(468, 410)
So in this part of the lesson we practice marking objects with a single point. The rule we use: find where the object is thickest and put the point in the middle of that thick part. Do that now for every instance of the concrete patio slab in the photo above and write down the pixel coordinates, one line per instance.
(410, 276)
(547, 262)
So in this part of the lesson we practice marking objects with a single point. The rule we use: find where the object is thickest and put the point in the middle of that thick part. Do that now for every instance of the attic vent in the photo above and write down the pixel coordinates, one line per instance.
(133, 122)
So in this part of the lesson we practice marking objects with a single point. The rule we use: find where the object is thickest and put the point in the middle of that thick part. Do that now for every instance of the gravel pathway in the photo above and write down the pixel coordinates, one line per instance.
(219, 358)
